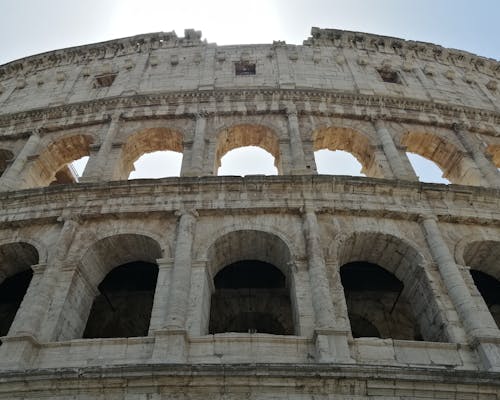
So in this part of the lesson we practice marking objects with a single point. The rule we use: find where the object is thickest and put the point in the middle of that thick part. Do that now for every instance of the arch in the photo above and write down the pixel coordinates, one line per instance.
(484, 256)
(243, 135)
(349, 140)
(262, 301)
(123, 307)
(52, 162)
(489, 288)
(415, 302)
(122, 269)
(147, 141)
(453, 162)
(115, 250)
(5, 157)
(494, 151)
(16, 260)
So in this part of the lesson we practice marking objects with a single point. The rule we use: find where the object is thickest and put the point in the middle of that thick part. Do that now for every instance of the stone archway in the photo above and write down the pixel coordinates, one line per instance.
(252, 284)
(379, 262)
(53, 161)
(123, 271)
(494, 151)
(16, 260)
(144, 142)
(456, 166)
(483, 258)
(244, 135)
(346, 139)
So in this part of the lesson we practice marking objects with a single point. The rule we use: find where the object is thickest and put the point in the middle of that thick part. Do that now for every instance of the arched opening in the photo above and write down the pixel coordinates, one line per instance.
(347, 148)
(385, 284)
(374, 303)
(426, 170)
(455, 165)
(251, 284)
(250, 296)
(489, 287)
(158, 164)
(337, 162)
(123, 307)
(249, 160)
(5, 157)
(483, 259)
(54, 164)
(156, 152)
(16, 260)
(245, 136)
(494, 151)
(123, 270)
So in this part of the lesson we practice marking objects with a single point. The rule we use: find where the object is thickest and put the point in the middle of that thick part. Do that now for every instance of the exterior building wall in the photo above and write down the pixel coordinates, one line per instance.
(182, 94)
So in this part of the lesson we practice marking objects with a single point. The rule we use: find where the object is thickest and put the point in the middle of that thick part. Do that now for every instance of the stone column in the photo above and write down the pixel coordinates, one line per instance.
(12, 178)
(479, 334)
(181, 274)
(331, 342)
(97, 168)
(400, 169)
(195, 166)
(158, 312)
(487, 168)
(298, 166)
(171, 342)
(55, 282)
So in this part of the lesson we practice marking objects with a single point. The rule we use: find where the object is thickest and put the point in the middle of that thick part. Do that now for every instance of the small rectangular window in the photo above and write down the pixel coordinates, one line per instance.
(244, 68)
(105, 80)
(389, 76)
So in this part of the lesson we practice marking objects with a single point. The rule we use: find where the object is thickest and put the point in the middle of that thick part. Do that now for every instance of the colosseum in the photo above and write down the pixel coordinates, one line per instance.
(298, 285)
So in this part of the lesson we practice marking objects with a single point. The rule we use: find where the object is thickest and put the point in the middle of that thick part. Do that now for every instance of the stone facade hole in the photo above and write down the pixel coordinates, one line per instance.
(340, 141)
(5, 157)
(483, 257)
(374, 303)
(494, 153)
(16, 260)
(123, 270)
(387, 290)
(455, 165)
(53, 165)
(123, 306)
(252, 289)
(156, 152)
(246, 135)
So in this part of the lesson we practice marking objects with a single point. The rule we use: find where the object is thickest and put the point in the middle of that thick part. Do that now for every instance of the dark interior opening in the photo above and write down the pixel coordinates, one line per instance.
(375, 303)
(389, 76)
(489, 287)
(12, 291)
(245, 68)
(123, 307)
(251, 297)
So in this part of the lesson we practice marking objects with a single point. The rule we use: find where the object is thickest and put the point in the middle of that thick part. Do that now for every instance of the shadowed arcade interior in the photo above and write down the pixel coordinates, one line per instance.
(374, 303)
(123, 307)
(251, 296)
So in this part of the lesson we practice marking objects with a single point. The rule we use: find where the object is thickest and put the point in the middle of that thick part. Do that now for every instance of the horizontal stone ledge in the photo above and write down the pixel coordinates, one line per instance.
(257, 371)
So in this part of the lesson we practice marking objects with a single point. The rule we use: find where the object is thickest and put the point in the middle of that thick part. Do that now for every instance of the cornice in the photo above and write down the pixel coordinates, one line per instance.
(336, 38)
(333, 195)
(353, 105)
(102, 50)
(406, 49)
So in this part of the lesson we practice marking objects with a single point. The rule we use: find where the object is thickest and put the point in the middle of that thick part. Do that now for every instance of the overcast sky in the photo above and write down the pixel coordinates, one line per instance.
(32, 26)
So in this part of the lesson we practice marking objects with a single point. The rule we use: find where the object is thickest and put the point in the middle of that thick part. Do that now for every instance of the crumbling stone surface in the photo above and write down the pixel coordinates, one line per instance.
(309, 337)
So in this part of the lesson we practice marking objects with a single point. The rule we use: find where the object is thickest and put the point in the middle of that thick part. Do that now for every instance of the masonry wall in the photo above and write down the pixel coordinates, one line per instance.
(182, 94)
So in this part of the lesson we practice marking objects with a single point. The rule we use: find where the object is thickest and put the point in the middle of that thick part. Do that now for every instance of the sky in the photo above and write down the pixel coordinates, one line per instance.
(33, 26)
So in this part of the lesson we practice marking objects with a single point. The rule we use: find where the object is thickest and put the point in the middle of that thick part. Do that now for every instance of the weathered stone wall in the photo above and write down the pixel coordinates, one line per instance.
(182, 94)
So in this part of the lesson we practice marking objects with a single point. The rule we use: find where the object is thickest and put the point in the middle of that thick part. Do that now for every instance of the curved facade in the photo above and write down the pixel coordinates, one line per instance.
(299, 285)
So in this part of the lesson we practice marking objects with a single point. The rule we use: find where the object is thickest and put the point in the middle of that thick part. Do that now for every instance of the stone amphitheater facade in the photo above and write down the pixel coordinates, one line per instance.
(376, 287)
